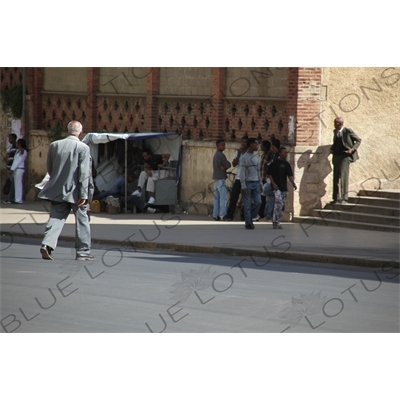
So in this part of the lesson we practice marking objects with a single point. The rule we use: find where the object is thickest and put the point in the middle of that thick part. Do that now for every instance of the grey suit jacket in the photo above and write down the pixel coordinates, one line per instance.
(69, 167)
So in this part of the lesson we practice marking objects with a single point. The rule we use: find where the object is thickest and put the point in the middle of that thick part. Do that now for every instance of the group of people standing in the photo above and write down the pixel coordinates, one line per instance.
(71, 186)
(261, 182)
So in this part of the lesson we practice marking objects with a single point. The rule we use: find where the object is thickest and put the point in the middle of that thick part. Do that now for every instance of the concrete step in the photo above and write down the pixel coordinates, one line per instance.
(387, 194)
(365, 209)
(377, 210)
(341, 215)
(309, 221)
(375, 201)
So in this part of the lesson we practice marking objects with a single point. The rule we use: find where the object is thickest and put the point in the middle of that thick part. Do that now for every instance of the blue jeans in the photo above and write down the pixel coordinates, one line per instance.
(103, 195)
(219, 209)
(251, 201)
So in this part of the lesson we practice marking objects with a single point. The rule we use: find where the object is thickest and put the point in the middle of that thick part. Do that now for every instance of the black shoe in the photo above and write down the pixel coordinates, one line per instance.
(46, 252)
(334, 202)
(248, 226)
(227, 218)
(216, 218)
(85, 258)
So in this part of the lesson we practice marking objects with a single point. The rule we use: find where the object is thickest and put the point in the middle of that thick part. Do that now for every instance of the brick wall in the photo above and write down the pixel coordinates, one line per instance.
(303, 110)
(304, 103)
(200, 103)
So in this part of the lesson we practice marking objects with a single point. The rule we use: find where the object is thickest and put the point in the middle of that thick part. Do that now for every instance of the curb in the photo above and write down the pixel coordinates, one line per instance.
(233, 252)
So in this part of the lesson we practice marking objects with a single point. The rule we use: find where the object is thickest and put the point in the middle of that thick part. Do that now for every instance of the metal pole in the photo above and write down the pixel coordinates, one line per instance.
(24, 102)
(126, 176)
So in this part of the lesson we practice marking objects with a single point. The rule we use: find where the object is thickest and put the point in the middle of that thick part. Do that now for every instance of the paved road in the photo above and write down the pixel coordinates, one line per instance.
(129, 291)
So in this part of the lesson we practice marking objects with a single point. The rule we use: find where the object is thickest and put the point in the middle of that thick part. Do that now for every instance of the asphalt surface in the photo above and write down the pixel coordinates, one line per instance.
(141, 291)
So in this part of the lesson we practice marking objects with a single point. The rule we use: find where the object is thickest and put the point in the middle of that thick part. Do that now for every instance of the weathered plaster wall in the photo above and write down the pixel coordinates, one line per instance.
(38, 148)
(186, 81)
(118, 80)
(368, 99)
(65, 79)
(196, 186)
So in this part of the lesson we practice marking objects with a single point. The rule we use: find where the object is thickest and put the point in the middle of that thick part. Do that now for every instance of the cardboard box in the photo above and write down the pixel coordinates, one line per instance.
(113, 209)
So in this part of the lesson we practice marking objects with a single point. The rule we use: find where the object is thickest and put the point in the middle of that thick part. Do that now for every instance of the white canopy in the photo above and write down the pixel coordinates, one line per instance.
(158, 142)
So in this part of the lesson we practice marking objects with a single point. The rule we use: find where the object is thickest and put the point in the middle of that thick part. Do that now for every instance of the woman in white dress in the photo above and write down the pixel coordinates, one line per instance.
(18, 169)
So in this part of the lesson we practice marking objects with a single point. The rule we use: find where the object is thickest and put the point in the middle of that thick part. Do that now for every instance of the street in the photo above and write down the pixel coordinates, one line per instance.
(142, 291)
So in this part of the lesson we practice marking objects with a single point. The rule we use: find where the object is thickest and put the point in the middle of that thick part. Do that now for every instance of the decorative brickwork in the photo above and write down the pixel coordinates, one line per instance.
(10, 77)
(58, 110)
(191, 118)
(108, 103)
(261, 119)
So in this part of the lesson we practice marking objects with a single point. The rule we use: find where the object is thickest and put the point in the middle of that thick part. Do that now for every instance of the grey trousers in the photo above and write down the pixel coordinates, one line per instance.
(58, 214)
(341, 166)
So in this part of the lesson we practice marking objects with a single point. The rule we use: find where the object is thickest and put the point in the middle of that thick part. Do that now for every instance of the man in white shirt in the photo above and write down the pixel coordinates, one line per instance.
(250, 181)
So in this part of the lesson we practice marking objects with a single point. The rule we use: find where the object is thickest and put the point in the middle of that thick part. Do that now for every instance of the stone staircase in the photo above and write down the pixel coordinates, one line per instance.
(377, 210)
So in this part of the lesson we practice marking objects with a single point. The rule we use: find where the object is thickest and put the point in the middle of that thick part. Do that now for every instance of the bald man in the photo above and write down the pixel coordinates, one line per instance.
(69, 188)
(344, 150)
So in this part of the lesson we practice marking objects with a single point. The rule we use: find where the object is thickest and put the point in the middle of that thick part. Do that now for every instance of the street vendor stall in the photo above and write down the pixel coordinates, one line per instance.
(112, 151)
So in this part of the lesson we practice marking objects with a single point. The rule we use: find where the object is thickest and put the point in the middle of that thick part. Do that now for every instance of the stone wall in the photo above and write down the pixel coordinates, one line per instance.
(196, 186)
(186, 81)
(256, 82)
(5, 130)
(65, 79)
(128, 80)
(38, 148)
(368, 99)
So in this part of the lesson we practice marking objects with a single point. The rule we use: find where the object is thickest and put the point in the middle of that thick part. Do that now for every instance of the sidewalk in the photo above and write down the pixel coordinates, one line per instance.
(200, 234)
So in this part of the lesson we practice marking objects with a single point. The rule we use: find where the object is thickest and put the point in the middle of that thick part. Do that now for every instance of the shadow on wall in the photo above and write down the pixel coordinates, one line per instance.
(316, 167)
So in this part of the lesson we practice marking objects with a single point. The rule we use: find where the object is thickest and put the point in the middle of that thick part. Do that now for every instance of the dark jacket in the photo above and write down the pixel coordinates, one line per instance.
(350, 141)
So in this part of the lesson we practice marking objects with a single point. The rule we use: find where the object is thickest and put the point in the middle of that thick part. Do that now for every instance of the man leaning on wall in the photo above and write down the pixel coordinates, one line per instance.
(344, 150)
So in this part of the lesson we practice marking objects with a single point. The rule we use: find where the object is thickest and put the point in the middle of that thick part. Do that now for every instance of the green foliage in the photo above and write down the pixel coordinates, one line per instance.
(12, 101)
